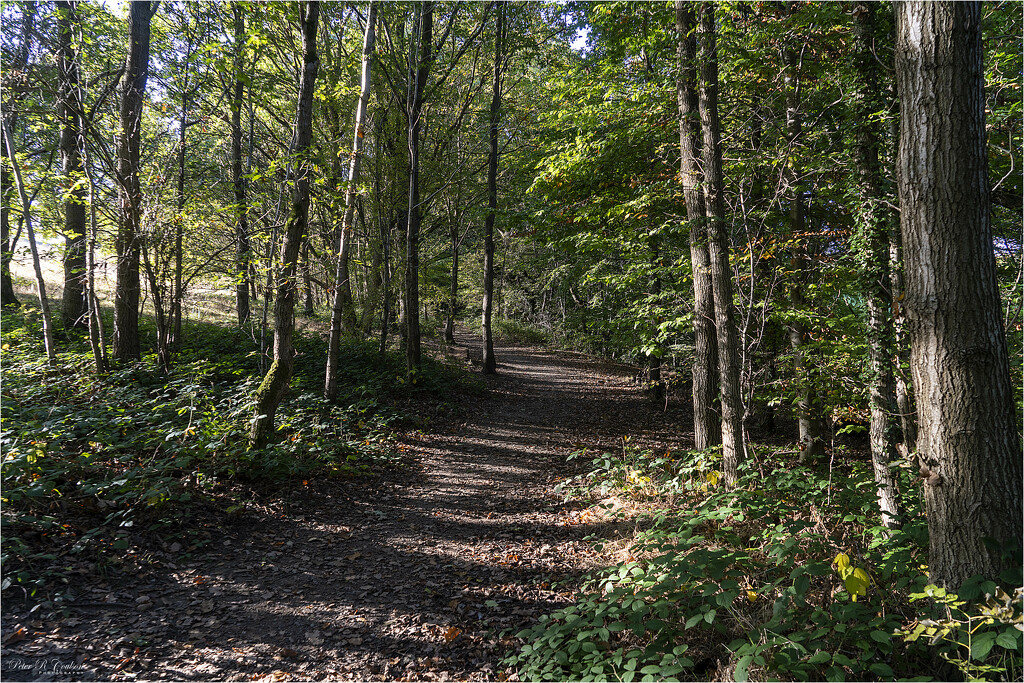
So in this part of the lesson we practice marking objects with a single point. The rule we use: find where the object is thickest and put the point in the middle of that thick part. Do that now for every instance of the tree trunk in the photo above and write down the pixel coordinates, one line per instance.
(490, 364)
(706, 426)
(343, 314)
(901, 349)
(424, 35)
(243, 249)
(968, 443)
(308, 305)
(7, 295)
(718, 252)
(97, 335)
(453, 293)
(275, 382)
(126, 295)
(809, 419)
(177, 294)
(7, 189)
(44, 305)
(73, 306)
(873, 224)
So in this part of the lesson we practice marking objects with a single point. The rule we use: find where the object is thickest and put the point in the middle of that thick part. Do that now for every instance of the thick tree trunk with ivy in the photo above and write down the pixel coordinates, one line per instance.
(490, 364)
(727, 334)
(275, 382)
(706, 426)
(343, 315)
(126, 294)
(968, 444)
(873, 221)
(73, 305)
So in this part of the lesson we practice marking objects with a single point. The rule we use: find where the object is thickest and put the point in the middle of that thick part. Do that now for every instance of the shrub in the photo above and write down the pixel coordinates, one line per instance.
(788, 574)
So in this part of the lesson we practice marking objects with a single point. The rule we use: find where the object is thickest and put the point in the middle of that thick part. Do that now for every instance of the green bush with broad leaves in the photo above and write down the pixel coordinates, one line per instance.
(788, 575)
(90, 461)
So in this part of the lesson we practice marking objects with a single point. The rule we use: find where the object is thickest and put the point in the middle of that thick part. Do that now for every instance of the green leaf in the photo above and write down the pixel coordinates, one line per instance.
(820, 658)
(882, 670)
(982, 645)
(1007, 640)
(880, 636)
(741, 673)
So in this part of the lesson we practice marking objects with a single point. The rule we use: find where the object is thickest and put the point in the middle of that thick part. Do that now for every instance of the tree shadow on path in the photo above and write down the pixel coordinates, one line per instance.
(404, 576)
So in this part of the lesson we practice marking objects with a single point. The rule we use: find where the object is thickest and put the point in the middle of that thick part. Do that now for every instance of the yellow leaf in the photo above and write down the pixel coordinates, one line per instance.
(751, 596)
(857, 583)
(842, 562)
(712, 478)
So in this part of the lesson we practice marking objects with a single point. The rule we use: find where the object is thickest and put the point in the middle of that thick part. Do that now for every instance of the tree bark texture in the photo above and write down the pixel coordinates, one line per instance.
(126, 294)
(490, 364)
(343, 315)
(275, 382)
(968, 443)
(73, 305)
(424, 34)
(727, 334)
(706, 425)
(873, 221)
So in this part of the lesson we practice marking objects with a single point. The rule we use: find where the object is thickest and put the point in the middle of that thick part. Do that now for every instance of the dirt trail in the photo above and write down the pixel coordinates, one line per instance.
(407, 576)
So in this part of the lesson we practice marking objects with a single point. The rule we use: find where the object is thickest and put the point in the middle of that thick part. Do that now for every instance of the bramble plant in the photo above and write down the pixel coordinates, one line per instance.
(774, 576)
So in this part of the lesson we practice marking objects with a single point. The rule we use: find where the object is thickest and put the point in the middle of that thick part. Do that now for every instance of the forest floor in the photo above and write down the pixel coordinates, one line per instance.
(420, 573)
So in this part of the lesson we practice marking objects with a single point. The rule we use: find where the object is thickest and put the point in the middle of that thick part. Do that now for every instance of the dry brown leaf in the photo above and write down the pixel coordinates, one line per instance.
(17, 636)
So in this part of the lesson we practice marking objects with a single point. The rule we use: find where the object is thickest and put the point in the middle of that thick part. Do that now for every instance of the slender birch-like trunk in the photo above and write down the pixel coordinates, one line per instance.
(342, 311)
(26, 208)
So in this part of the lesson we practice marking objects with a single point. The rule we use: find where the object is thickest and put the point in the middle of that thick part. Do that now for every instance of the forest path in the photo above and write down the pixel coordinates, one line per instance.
(412, 575)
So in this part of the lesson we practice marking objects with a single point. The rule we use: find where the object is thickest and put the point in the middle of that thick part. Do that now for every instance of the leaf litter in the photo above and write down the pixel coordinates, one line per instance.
(408, 575)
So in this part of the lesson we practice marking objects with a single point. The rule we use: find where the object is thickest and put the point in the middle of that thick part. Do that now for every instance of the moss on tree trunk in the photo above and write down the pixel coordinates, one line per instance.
(268, 397)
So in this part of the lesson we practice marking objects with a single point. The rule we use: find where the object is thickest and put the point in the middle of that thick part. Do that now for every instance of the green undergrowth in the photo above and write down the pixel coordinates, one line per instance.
(511, 331)
(788, 576)
(91, 464)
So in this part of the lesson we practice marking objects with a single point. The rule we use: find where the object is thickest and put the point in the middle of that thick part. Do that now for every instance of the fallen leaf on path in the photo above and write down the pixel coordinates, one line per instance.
(451, 634)
(18, 635)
